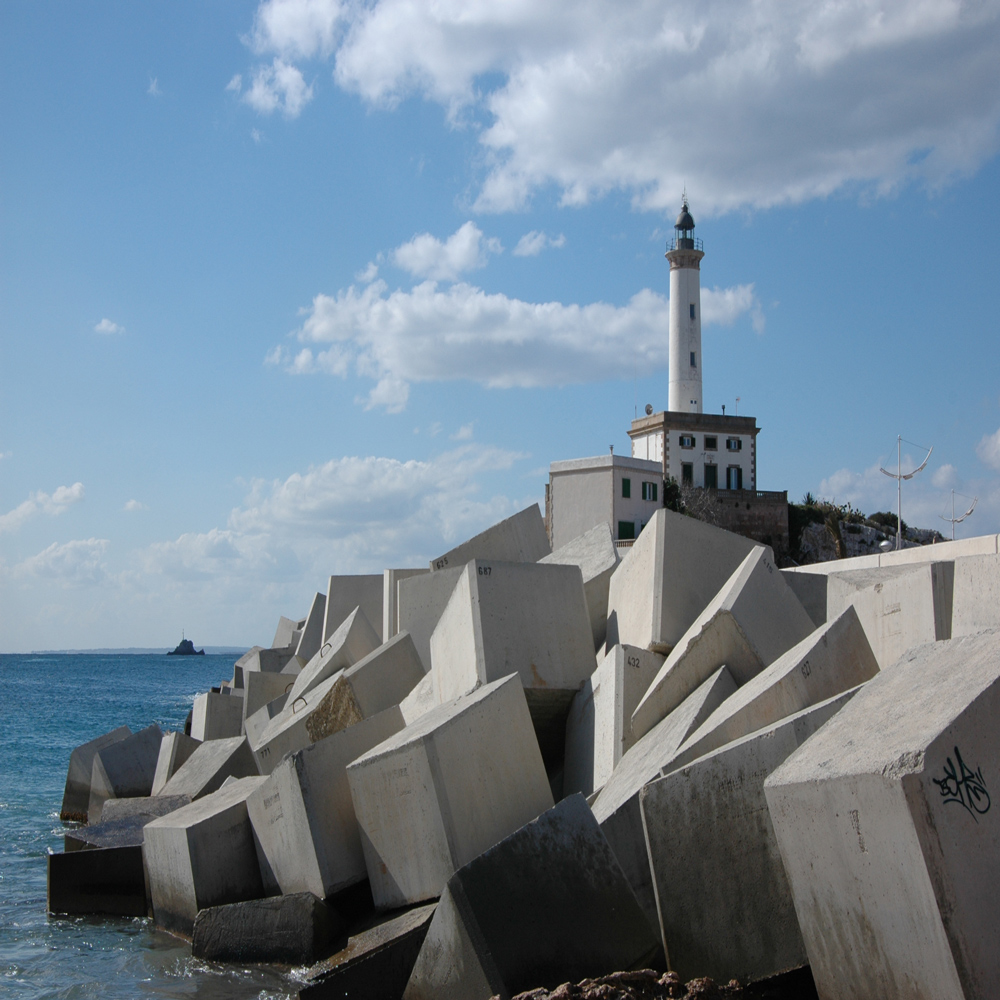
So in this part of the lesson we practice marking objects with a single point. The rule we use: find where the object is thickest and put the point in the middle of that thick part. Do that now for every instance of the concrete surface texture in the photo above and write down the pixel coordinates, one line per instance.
(617, 805)
(312, 632)
(286, 629)
(123, 768)
(420, 700)
(303, 815)
(351, 641)
(421, 599)
(724, 903)
(216, 716)
(886, 830)
(122, 829)
(175, 748)
(599, 726)
(209, 766)
(596, 555)
(899, 607)
(345, 593)
(437, 794)
(76, 796)
(752, 620)
(269, 661)
(390, 598)
(976, 603)
(810, 589)
(259, 689)
(676, 566)
(202, 855)
(834, 658)
(255, 724)
(146, 805)
(519, 538)
(547, 905)
(380, 680)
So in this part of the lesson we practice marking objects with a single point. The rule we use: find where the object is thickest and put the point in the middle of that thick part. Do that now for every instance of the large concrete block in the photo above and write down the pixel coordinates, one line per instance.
(421, 601)
(283, 635)
(209, 766)
(202, 855)
(976, 604)
(976, 546)
(260, 689)
(547, 905)
(303, 815)
(596, 555)
(149, 806)
(216, 716)
(753, 619)
(617, 805)
(76, 797)
(255, 724)
(519, 538)
(270, 661)
(420, 700)
(175, 748)
(391, 579)
(346, 593)
(899, 607)
(834, 658)
(885, 825)
(353, 640)
(725, 907)
(599, 727)
(312, 632)
(107, 881)
(291, 930)
(810, 589)
(523, 617)
(437, 794)
(123, 769)
(676, 566)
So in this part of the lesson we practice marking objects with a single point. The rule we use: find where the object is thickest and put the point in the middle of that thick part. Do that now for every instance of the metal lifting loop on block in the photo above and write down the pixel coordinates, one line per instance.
(301, 698)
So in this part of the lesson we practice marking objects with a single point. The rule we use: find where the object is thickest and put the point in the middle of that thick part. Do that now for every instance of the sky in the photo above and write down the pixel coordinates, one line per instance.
(301, 287)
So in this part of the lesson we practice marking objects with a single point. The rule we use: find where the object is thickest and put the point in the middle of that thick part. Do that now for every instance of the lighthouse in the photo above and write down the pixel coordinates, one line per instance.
(685, 253)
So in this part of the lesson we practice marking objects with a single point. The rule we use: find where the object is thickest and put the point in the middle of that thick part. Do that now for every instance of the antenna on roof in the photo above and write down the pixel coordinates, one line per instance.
(899, 477)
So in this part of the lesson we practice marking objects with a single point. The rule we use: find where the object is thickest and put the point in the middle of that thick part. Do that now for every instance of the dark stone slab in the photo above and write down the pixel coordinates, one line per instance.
(108, 881)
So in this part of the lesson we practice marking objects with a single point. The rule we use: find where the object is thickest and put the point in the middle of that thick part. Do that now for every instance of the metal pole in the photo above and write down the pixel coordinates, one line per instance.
(953, 514)
(899, 492)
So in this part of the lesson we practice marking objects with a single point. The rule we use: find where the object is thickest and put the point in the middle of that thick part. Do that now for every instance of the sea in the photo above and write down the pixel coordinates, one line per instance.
(50, 704)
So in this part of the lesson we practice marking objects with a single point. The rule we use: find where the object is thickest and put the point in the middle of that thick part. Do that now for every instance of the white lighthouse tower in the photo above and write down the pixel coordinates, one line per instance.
(684, 254)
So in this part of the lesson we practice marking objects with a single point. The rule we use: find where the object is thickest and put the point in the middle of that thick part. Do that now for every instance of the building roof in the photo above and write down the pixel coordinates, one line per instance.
(604, 462)
(685, 220)
(679, 420)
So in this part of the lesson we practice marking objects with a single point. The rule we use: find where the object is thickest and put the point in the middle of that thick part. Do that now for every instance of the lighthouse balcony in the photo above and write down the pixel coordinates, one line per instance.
(685, 243)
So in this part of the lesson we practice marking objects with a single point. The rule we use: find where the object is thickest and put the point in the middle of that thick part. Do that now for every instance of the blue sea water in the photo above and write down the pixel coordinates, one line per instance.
(50, 704)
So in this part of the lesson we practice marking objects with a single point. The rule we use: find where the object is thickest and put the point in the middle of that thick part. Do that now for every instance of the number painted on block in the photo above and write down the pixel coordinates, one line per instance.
(485, 570)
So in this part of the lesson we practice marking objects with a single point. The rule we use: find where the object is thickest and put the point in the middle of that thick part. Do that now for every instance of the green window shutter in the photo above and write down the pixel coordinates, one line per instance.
(626, 530)
(627, 491)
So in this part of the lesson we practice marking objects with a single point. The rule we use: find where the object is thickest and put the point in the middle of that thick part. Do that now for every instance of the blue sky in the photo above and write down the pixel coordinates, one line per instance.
(302, 287)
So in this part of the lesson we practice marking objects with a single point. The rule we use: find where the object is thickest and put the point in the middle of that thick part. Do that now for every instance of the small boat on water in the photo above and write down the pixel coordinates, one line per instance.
(186, 648)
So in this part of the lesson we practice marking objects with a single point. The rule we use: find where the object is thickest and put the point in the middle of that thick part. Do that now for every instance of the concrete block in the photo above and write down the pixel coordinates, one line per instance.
(287, 627)
(676, 566)
(834, 658)
(216, 716)
(437, 794)
(290, 930)
(346, 593)
(151, 805)
(76, 797)
(247, 656)
(123, 769)
(976, 604)
(271, 661)
(303, 815)
(899, 607)
(547, 905)
(523, 617)
(376, 963)
(519, 538)
(256, 724)
(353, 640)
(107, 881)
(616, 807)
(596, 555)
(753, 619)
(261, 689)
(312, 632)
(885, 826)
(421, 602)
(946, 551)
(810, 589)
(725, 907)
(390, 598)
(420, 700)
(202, 855)
(599, 727)
(209, 766)
(122, 830)
(175, 748)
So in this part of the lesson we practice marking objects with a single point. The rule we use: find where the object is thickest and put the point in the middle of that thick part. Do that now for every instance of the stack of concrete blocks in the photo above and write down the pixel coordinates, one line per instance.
(599, 726)
(210, 765)
(885, 826)
(345, 593)
(391, 579)
(353, 639)
(76, 797)
(175, 749)
(752, 620)
(520, 538)
(261, 688)
(312, 632)
(216, 716)
(123, 768)
(437, 794)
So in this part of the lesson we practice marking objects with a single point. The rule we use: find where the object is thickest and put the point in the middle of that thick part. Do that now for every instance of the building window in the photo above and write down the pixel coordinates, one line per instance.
(687, 440)
(711, 443)
(734, 444)
(627, 491)
(687, 474)
(649, 491)
(734, 478)
(626, 530)
(692, 310)
(693, 365)
(711, 477)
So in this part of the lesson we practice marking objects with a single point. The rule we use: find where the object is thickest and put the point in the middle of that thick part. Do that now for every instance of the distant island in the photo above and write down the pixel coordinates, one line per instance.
(186, 648)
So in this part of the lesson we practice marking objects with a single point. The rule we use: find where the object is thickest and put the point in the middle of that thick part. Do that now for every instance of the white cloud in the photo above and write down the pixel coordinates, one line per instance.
(462, 332)
(757, 104)
(154, 87)
(464, 433)
(109, 327)
(368, 275)
(279, 86)
(236, 83)
(41, 503)
(71, 564)
(134, 505)
(256, 135)
(533, 243)
(466, 249)
(945, 477)
(988, 450)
